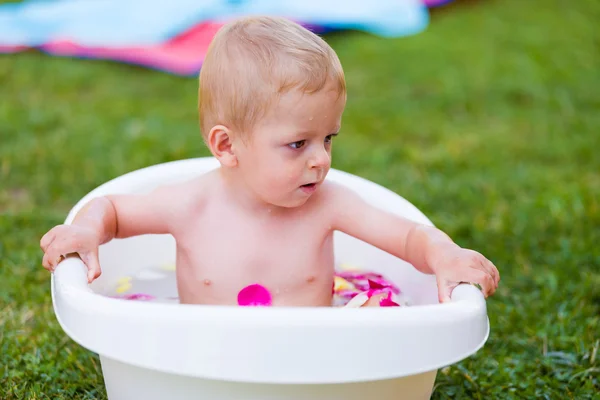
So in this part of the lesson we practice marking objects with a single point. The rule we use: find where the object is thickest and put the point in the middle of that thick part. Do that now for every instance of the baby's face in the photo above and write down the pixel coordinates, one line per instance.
(289, 154)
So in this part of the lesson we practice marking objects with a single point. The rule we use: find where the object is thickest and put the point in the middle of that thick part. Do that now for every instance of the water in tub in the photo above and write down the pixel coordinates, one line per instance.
(157, 283)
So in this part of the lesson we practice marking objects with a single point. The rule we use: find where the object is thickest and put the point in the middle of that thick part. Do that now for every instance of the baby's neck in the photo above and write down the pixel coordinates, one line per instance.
(240, 193)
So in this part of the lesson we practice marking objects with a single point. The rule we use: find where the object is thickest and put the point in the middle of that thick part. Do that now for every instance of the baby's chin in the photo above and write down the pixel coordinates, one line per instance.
(297, 199)
(291, 204)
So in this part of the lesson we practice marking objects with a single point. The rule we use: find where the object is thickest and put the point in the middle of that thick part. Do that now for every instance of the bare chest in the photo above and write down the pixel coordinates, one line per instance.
(293, 258)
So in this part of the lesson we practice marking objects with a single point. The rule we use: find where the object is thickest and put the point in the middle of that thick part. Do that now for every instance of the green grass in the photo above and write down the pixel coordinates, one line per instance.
(489, 122)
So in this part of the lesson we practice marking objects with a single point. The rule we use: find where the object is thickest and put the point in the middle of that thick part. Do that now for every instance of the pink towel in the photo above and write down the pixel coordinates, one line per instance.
(182, 55)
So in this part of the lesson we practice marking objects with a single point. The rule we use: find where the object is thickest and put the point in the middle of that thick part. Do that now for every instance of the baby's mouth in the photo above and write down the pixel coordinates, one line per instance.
(309, 188)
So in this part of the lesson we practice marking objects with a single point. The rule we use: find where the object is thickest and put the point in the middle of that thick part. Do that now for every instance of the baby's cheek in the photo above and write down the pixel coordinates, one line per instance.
(287, 176)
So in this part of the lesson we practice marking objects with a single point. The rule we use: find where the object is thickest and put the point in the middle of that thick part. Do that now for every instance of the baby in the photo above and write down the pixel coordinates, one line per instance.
(271, 98)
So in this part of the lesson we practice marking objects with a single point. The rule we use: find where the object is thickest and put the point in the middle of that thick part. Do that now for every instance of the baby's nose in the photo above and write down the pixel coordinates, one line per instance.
(320, 159)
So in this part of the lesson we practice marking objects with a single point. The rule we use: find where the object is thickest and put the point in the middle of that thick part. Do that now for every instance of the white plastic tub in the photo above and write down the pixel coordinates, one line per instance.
(156, 351)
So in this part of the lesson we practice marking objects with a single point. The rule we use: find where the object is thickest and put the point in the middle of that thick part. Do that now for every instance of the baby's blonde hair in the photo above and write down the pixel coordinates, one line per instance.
(253, 60)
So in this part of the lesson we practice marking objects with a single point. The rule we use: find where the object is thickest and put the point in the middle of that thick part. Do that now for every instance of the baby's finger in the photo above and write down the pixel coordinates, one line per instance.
(47, 239)
(484, 279)
(94, 271)
(489, 268)
(495, 272)
(62, 246)
(46, 262)
(54, 255)
(445, 289)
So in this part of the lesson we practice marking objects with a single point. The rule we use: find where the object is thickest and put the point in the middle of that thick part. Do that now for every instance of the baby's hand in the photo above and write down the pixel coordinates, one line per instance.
(454, 265)
(66, 239)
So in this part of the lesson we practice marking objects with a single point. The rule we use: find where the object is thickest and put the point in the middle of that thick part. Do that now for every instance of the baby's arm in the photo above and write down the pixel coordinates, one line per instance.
(428, 249)
(106, 218)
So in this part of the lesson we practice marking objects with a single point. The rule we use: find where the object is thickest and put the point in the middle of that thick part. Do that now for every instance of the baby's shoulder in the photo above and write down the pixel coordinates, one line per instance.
(185, 202)
(333, 192)
(337, 198)
(189, 195)
(328, 196)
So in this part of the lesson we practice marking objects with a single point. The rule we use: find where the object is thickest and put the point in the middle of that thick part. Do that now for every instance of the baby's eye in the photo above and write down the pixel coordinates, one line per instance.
(298, 144)
(329, 138)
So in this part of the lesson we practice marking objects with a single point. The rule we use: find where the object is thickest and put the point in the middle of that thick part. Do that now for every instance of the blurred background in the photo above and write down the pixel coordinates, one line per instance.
(484, 114)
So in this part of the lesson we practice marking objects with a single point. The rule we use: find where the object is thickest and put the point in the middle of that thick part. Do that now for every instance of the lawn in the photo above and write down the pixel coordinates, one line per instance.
(489, 122)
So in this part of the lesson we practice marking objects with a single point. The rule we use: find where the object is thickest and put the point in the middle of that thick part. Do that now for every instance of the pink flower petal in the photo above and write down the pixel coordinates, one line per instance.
(388, 302)
(360, 286)
(357, 275)
(254, 295)
(347, 293)
(373, 292)
(135, 296)
(379, 284)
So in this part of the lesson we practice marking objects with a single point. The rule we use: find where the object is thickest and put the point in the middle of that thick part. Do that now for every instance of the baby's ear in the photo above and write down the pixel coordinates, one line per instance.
(220, 142)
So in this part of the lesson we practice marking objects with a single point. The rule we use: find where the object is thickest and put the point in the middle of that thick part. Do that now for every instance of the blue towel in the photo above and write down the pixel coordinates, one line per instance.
(118, 23)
